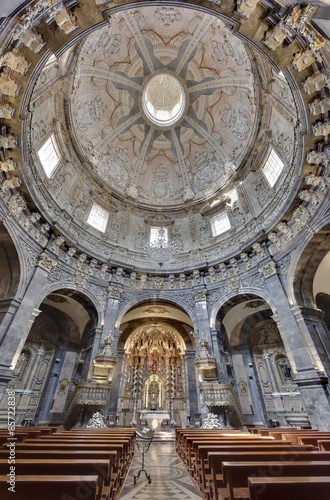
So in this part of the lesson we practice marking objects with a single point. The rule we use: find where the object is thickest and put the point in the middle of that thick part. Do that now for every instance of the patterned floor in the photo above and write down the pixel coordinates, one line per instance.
(169, 479)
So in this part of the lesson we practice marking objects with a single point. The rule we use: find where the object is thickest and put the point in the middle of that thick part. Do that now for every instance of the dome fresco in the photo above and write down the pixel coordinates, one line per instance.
(154, 115)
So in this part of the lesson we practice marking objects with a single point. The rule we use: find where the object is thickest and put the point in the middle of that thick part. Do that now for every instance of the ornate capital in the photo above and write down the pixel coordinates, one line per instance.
(46, 262)
(200, 294)
(268, 269)
(114, 292)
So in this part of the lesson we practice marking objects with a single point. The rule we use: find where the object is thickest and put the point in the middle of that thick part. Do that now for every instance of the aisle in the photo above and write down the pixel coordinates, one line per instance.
(169, 479)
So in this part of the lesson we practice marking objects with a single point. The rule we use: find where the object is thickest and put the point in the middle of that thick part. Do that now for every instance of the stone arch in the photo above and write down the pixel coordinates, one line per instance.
(153, 299)
(91, 299)
(304, 268)
(253, 292)
(10, 266)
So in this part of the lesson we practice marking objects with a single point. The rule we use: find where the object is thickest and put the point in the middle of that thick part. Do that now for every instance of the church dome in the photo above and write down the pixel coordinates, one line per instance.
(163, 115)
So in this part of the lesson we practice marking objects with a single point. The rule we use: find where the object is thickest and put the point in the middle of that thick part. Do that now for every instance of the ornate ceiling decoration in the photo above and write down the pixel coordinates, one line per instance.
(163, 111)
(236, 106)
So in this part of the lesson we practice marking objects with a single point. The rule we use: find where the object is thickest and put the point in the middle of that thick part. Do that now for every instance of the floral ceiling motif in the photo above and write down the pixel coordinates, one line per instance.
(190, 159)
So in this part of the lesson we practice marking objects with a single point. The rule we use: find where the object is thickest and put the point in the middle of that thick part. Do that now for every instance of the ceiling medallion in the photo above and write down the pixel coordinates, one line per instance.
(163, 100)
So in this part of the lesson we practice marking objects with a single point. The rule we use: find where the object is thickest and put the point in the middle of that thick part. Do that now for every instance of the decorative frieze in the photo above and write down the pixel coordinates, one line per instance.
(29, 37)
(12, 183)
(316, 82)
(15, 62)
(304, 59)
(246, 7)
(9, 87)
(46, 262)
(268, 269)
(321, 128)
(275, 36)
(8, 141)
(320, 106)
(317, 158)
(6, 111)
(157, 282)
(81, 278)
(234, 283)
(16, 204)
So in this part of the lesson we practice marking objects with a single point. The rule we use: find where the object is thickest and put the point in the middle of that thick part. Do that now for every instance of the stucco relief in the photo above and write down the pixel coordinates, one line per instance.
(108, 90)
(226, 48)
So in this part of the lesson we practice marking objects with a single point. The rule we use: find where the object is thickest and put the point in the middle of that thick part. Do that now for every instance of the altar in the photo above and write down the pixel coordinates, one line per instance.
(154, 418)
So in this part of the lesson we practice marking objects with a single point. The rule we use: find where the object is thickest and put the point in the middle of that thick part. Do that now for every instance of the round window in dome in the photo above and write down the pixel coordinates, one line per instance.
(163, 100)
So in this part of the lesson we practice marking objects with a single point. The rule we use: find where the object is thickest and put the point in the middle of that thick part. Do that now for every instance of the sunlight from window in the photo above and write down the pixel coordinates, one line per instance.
(48, 156)
(273, 168)
(98, 218)
(220, 223)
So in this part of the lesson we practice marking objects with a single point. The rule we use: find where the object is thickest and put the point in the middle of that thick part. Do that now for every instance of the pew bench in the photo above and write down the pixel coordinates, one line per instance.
(289, 488)
(236, 474)
(204, 470)
(216, 482)
(55, 487)
(61, 467)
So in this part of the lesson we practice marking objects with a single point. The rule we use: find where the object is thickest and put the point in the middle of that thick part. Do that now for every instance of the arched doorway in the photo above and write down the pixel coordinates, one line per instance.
(257, 363)
(55, 357)
(156, 371)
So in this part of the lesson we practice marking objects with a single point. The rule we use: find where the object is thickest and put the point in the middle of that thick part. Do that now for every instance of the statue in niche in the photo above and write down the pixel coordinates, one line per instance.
(284, 365)
(153, 398)
(154, 361)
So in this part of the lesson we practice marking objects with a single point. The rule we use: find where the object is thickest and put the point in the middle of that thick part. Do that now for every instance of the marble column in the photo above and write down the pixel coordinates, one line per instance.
(192, 386)
(314, 320)
(202, 316)
(111, 314)
(304, 359)
(15, 335)
(220, 356)
(94, 337)
(115, 383)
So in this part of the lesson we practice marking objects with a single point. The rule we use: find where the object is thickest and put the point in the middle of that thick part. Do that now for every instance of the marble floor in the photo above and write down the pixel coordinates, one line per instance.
(169, 479)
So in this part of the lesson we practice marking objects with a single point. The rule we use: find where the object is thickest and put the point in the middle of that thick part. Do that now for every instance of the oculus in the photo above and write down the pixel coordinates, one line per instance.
(163, 100)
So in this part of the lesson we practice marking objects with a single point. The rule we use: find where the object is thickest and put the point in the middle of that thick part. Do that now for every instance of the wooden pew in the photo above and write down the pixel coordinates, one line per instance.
(313, 439)
(324, 445)
(55, 487)
(59, 467)
(50, 454)
(289, 488)
(189, 453)
(236, 474)
(116, 447)
(216, 458)
(203, 472)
